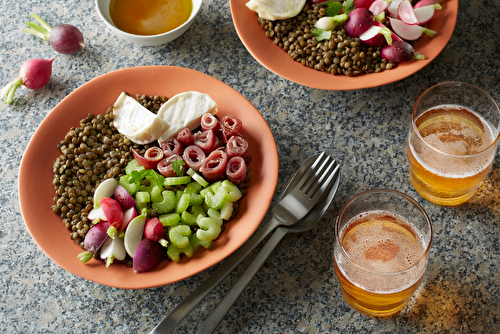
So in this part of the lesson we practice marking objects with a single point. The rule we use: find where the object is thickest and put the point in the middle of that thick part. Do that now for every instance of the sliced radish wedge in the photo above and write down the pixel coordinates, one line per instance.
(409, 32)
(423, 3)
(393, 8)
(379, 6)
(133, 234)
(406, 13)
(394, 37)
(424, 14)
(376, 36)
(105, 189)
(128, 215)
(97, 214)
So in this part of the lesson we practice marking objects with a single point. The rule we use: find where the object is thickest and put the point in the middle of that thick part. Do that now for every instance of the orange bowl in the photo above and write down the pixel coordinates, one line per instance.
(278, 61)
(36, 191)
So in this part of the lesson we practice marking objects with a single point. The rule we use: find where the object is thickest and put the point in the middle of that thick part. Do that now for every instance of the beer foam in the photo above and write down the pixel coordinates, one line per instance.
(457, 131)
(383, 242)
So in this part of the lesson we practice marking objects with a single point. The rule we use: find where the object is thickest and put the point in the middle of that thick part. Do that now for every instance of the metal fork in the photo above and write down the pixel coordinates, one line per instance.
(302, 192)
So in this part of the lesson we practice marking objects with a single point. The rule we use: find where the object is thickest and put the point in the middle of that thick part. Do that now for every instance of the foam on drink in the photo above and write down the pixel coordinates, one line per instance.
(452, 130)
(382, 242)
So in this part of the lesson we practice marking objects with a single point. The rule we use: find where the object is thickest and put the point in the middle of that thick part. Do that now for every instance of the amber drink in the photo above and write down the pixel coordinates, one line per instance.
(452, 142)
(383, 238)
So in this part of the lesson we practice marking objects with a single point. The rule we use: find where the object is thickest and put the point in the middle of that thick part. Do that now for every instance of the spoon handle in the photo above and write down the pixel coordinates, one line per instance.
(213, 320)
(191, 301)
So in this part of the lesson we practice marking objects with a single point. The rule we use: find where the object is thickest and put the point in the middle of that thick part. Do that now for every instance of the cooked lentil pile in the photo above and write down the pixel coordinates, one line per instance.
(341, 54)
(91, 153)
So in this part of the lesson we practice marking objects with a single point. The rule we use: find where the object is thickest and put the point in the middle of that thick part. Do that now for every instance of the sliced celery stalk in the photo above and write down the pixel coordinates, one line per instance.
(170, 219)
(197, 177)
(174, 252)
(167, 203)
(133, 165)
(177, 180)
(234, 192)
(197, 243)
(226, 211)
(179, 235)
(131, 188)
(209, 229)
(142, 198)
(217, 200)
(182, 203)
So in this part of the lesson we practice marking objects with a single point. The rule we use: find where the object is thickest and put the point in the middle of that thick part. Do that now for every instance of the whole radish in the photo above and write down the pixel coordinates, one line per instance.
(400, 51)
(64, 38)
(359, 21)
(34, 74)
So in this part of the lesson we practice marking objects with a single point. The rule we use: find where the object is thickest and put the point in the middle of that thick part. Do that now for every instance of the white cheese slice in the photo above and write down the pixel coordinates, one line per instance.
(276, 9)
(136, 122)
(184, 110)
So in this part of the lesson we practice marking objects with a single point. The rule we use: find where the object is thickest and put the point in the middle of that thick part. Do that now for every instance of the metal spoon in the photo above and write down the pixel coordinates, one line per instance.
(191, 301)
(213, 320)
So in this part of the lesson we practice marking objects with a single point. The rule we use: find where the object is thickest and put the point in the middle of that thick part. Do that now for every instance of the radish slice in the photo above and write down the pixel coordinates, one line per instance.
(112, 249)
(379, 6)
(406, 13)
(393, 8)
(105, 189)
(376, 36)
(423, 3)
(409, 32)
(424, 14)
(128, 215)
(133, 234)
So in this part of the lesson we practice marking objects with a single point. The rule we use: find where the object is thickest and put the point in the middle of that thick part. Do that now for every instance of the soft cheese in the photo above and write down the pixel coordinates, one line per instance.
(136, 122)
(276, 9)
(184, 110)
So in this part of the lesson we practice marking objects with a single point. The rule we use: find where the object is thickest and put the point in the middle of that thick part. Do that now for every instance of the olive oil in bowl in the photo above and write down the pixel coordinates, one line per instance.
(149, 17)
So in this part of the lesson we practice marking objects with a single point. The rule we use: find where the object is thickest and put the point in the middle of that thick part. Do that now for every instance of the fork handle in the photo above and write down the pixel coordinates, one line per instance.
(213, 320)
(191, 301)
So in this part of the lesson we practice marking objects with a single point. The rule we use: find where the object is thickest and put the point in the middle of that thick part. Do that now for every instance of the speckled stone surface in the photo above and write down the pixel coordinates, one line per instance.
(296, 290)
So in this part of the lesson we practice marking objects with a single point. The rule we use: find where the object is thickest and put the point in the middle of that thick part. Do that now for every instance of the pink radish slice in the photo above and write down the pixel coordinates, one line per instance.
(113, 211)
(128, 215)
(424, 14)
(376, 36)
(409, 32)
(394, 37)
(393, 8)
(406, 13)
(423, 3)
(379, 6)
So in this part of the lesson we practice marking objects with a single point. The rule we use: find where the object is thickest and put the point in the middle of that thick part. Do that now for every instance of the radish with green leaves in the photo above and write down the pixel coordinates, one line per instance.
(64, 38)
(34, 74)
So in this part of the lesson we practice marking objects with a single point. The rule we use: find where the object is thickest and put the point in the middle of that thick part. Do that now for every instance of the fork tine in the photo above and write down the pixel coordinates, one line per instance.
(312, 170)
(323, 184)
(319, 174)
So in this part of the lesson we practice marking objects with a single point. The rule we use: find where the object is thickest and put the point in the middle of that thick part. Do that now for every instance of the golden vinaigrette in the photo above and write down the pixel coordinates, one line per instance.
(149, 17)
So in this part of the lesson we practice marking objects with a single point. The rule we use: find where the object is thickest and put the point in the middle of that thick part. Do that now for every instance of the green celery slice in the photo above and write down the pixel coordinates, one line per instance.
(197, 177)
(179, 235)
(196, 243)
(217, 200)
(195, 199)
(131, 188)
(167, 203)
(234, 192)
(170, 219)
(226, 211)
(193, 188)
(191, 218)
(174, 252)
(215, 215)
(182, 203)
(209, 229)
(177, 180)
(156, 195)
(142, 198)
(133, 165)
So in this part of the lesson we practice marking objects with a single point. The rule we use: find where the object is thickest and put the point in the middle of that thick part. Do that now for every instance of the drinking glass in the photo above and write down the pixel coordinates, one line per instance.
(452, 141)
(382, 243)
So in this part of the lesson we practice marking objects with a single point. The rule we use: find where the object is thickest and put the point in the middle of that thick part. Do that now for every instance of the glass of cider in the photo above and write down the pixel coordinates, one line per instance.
(452, 141)
(382, 243)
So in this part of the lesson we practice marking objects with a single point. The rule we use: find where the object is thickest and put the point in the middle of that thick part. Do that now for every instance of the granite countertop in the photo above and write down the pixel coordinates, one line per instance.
(296, 290)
